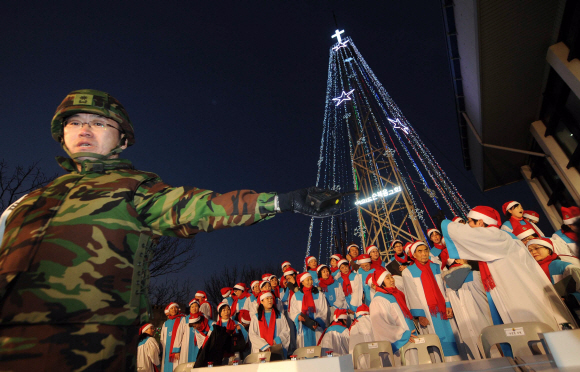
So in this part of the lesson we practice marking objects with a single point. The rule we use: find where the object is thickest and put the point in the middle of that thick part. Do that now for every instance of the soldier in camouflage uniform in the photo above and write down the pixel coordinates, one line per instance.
(73, 256)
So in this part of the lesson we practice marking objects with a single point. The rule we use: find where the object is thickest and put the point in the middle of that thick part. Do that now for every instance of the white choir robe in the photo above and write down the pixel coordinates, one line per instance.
(415, 295)
(471, 313)
(304, 336)
(523, 292)
(207, 309)
(361, 331)
(251, 304)
(166, 331)
(335, 298)
(281, 334)
(389, 324)
(354, 300)
(336, 338)
(189, 347)
(148, 355)
(566, 248)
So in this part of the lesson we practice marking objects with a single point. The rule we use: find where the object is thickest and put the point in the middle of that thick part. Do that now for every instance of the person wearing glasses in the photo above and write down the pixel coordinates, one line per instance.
(73, 257)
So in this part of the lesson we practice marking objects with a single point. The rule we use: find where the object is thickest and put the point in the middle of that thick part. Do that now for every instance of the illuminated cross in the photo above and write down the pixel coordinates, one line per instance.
(337, 36)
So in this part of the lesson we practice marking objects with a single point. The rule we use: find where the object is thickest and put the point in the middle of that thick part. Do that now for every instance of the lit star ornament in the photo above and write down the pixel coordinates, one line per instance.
(340, 45)
(397, 125)
(344, 97)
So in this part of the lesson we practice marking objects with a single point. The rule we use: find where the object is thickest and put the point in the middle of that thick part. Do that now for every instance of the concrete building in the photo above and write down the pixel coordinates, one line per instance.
(517, 85)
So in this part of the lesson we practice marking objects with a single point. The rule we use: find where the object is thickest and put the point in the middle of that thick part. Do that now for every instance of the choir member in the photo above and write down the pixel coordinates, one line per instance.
(524, 233)
(400, 255)
(171, 337)
(531, 216)
(275, 284)
(334, 271)
(458, 219)
(308, 310)
(518, 290)
(427, 299)
(311, 265)
(352, 286)
(268, 327)
(204, 306)
(331, 288)
(189, 349)
(353, 252)
(439, 252)
(284, 265)
(202, 329)
(231, 326)
(336, 337)
(373, 252)
(361, 329)
(240, 296)
(390, 317)
(251, 304)
(148, 350)
(364, 270)
(514, 214)
(227, 295)
(291, 287)
(565, 239)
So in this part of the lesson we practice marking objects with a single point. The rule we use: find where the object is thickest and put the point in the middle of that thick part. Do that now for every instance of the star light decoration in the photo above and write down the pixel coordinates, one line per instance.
(390, 153)
(430, 192)
(357, 231)
(416, 213)
(343, 97)
(397, 125)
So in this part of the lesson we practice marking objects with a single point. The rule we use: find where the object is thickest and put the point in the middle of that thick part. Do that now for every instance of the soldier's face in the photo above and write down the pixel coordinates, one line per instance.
(87, 139)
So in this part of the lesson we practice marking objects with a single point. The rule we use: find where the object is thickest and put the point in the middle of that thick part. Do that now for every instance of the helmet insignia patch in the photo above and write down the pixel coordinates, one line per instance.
(83, 99)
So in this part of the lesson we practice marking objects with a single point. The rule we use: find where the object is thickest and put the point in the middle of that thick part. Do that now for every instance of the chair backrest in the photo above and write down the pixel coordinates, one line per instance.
(308, 352)
(184, 367)
(421, 344)
(374, 349)
(518, 335)
(255, 357)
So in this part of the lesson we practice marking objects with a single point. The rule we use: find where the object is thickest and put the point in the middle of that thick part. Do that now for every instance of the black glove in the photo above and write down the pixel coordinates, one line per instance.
(312, 201)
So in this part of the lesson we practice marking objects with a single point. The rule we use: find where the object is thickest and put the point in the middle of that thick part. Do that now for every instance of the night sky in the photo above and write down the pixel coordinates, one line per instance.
(228, 95)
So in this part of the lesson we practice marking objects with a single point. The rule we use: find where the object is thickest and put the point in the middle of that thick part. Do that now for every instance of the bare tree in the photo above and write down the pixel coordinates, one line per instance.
(20, 181)
(228, 277)
(177, 290)
(171, 255)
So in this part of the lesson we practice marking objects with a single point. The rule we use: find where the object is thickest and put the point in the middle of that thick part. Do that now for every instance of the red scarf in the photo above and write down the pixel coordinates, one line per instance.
(444, 255)
(571, 234)
(333, 269)
(324, 332)
(276, 291)
(267, 331)
(435, 300)
(308, 305)
(486, 278)
(400, 297)
(516, 221)
(545, 263)
(234, 308)
(173, 332)
(404, 260)
(204, 331)
(376, 264)
(324, 283)
(230, 325)
(346, 287)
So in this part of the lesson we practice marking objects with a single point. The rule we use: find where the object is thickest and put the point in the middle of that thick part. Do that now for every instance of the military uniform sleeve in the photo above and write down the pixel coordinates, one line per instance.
(184, 211)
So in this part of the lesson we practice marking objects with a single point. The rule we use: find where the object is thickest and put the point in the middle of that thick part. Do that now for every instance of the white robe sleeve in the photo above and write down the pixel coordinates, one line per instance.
(180, 332)
(163, 337)
(258, 343)
(357, 290)
(205, 308)
(574, 272)
(340, 302)
(466, 242)
(321, 309)
(283, 331)
(337, 342)
(387, 320)
(152, 351)
(413, 299)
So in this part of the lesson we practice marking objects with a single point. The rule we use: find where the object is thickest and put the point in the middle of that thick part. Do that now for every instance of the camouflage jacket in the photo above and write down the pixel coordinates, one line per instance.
(74, 251)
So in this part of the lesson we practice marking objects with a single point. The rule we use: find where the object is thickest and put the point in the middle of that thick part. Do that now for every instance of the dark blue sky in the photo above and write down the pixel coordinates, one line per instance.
(226, 95)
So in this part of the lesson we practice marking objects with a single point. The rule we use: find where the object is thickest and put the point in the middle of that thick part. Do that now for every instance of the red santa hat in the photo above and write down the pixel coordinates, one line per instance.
(522, 231)
(336, 256)
(363, 258)
(308, 259)
(532, 216)
(200, 294)
(240, 286)
(431, 231)
(414, 247)
(267, 276)
(546, 242)
(369, 279)
(195, 300)
(362, 310)
(289, 271)
(226, 292)
(263, 283)
(172, 304)
(570, 215)
(320, 267)
(457, 219)
(286, 263)
(507, 206)
(370, 248)
(343, 261)
(406, 248)
(489, 215)
(351, 245)
(379, 276)
(245, 317)
(145, 327)
(339, 314)
(395, 242)
(196, 317)
(302, 276)
(222, 304)
(254, 283)
(264, 294)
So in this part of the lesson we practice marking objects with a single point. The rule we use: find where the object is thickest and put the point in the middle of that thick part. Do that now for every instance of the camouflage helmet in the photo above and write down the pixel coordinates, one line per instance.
(92, 102)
